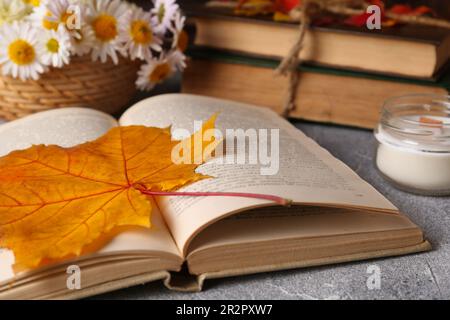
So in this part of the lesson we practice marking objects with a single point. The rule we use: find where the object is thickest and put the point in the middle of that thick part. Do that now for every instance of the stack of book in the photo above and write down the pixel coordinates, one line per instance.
(348, 74)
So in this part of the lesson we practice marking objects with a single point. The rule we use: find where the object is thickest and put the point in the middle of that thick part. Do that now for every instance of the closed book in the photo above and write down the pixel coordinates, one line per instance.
(407, 50)
(324, 94)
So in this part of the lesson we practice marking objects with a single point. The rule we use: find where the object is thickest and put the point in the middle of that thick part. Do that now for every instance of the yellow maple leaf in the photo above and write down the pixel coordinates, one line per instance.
(55, 201)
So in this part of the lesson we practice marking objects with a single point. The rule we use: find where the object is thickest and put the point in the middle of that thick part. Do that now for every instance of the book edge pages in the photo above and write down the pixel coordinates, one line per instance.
(317, 55)
(200, 280)
(111, 286)
(196, 284)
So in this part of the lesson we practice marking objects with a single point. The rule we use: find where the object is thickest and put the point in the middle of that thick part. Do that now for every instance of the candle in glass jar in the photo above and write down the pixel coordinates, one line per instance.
(414, 144)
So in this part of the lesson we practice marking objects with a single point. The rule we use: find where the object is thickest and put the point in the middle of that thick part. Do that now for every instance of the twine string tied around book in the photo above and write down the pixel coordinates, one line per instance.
(305, 13)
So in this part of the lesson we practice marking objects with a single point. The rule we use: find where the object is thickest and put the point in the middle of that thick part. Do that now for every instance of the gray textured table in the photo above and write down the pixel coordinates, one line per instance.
(420, 276)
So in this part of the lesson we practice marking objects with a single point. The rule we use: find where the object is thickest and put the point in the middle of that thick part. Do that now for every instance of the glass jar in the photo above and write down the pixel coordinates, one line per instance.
(414, 143)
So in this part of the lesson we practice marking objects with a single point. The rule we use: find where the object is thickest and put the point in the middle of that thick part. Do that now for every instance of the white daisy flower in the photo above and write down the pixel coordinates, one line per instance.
(12, 10)
(40, 16)
(180, 37)
(84, 41)
(158, 70)
(163, 14)
(19, 56)
(137, 33)
(104, 20)
(177, 59)
(52, 13)
(55, 47)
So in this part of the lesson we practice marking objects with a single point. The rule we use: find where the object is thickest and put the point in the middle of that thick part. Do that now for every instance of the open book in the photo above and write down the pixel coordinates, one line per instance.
(337, 216)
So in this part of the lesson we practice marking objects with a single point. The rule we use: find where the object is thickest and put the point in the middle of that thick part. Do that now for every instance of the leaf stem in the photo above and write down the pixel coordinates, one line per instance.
(276, 199)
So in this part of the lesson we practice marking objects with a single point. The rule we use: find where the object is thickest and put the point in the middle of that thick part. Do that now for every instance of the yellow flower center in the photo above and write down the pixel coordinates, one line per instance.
(105, 27)
(160, 73)
(183, 41)
(48, 22)
(34, 3)
(141, 32)
(21, 52)
(65, 16)
(53, 45)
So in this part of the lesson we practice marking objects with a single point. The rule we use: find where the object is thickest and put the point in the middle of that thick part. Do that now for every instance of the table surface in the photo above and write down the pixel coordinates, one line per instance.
(418, 276)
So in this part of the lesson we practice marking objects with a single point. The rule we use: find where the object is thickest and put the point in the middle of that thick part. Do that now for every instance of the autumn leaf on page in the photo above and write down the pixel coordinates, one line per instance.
(55, 201)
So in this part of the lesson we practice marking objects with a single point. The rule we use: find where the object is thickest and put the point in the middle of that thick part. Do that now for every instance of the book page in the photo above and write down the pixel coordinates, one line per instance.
(275, 223)
(307, 173)
(66, 128)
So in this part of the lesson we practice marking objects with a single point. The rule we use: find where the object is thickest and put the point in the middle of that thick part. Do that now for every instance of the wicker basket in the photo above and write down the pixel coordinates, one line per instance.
(82, 83)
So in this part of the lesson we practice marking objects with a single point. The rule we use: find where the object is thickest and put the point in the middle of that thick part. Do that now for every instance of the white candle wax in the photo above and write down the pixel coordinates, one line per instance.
(418, 157)
(414, 169)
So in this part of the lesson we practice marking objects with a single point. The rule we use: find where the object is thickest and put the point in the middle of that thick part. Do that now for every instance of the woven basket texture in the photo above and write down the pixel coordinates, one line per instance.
(82, 83)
